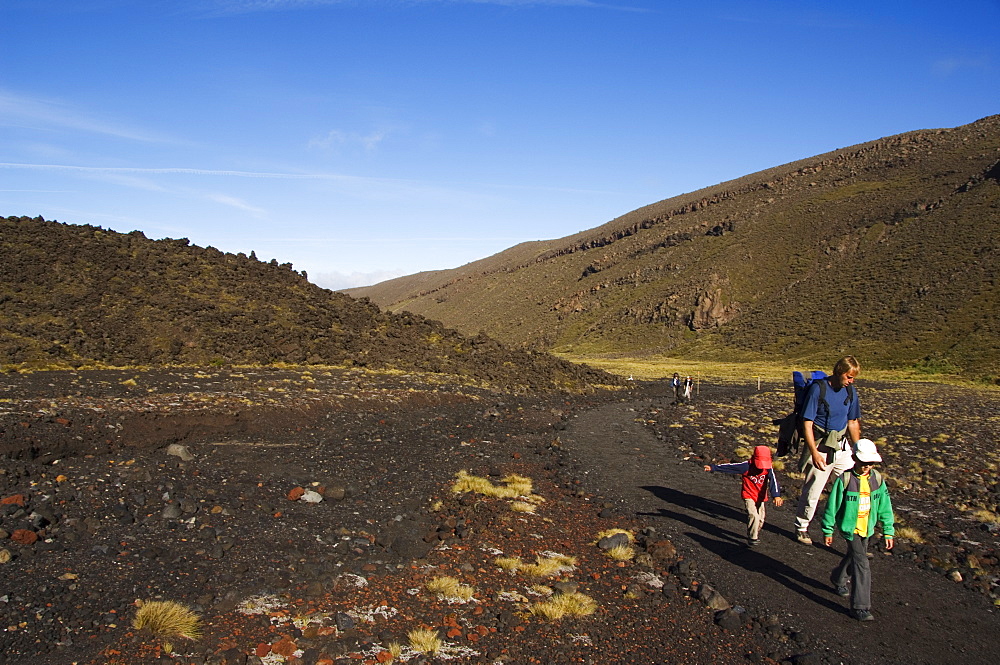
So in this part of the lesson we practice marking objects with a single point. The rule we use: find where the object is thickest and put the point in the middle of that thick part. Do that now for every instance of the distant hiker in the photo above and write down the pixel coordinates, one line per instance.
(688, 385)
(759, 482)
(859, 500)
(675, 383)
(830, 424)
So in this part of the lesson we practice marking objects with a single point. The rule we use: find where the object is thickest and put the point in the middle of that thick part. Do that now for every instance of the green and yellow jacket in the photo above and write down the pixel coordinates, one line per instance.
(842, 506)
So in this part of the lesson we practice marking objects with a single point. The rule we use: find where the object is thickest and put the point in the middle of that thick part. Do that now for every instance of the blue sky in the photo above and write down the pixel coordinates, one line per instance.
(365, 139)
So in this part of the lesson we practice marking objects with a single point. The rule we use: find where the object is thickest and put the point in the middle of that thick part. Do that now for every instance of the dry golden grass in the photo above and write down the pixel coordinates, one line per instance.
(514, 486)
(544, 566)
(168, 620)
(395, 650)
(450, 588)
(656, 368)
(910, 534)
(986, 516)
(564, 605)
(509, 563)
(424, 640)
(614, 532)
(621, 553)
(465, 482)
(522, 507)
(520, 484)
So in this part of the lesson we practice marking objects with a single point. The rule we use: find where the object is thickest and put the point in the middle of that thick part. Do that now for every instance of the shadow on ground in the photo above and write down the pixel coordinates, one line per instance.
(702, 514)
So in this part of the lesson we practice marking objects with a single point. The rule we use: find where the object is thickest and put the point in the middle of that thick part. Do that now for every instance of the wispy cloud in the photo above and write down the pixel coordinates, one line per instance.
(239, 204)
(37, 113)
(181, 171)
(336, 138)
(948, 66)
(247, 6)
(387, 186)
(37, 191)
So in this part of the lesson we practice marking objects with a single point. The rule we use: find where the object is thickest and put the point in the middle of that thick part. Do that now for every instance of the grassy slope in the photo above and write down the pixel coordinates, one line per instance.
(888, 250)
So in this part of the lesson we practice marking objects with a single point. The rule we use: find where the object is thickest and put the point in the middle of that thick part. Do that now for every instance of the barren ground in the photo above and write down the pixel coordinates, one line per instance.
(276, 579)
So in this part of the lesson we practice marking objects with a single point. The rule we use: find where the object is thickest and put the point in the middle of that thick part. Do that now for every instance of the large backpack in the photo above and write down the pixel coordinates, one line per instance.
(789, 430)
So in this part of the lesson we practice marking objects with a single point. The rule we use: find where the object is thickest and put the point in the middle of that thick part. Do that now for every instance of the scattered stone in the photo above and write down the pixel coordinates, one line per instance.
(24, 537)
(334, 490)
(729, 619)
(310, 496)
(565, 587)
(343, 621)
(177, 450)
(662, 551)
(613, 541)
(712, 598)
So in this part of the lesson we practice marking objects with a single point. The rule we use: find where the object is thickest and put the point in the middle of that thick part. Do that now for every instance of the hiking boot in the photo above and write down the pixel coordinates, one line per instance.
(841, 590)
(803, 537)
(862, 615)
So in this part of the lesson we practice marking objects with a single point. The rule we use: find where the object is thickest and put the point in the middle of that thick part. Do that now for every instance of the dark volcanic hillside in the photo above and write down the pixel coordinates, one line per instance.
(887, 249)
(75, 295)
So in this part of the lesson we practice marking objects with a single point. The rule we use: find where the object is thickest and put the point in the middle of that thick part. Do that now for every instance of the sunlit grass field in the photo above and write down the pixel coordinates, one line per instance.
(654, 368)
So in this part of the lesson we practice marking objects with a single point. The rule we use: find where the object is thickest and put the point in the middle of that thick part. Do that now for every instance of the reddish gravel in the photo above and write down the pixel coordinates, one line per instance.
(119, 519)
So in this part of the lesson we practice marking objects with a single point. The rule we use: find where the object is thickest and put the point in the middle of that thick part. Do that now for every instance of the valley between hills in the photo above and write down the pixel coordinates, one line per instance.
(318, 477)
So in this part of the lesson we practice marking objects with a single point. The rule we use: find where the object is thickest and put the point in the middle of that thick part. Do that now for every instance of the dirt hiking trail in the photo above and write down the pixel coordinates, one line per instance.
(920, 617)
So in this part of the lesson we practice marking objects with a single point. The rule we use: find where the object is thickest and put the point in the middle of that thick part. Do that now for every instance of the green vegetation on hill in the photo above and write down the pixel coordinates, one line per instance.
(78, 295)
(887, 250)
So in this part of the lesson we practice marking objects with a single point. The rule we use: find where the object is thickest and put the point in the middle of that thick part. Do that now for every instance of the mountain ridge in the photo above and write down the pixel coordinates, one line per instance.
(76, 295)
(731, 270)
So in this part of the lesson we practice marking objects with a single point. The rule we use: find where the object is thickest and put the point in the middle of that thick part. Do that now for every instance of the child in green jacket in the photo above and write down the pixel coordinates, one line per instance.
(858, 501)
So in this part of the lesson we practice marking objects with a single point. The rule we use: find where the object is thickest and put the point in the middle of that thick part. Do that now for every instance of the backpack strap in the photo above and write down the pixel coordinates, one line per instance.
(822, 398)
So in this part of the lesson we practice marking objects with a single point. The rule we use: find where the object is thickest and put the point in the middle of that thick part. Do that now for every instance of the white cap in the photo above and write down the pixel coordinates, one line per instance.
(865, 451)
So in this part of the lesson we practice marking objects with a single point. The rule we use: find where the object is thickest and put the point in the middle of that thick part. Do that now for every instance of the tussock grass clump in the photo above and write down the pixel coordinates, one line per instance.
(910, 534)
(167, 619)
(451, 589)
(520, 484)
(986, 516)
(509, 563)
(564, 605)
(621, 553)
(542, 568)
(607, 533)
(465, 482)
(548, 565)
(424, 640)
(513, 487)
(522, 507)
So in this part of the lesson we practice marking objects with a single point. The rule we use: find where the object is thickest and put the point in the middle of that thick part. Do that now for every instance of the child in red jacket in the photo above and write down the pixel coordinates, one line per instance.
(759, 482)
